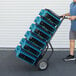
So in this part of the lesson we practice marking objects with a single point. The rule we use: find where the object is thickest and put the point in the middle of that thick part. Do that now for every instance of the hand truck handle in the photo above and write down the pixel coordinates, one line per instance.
(65, 17)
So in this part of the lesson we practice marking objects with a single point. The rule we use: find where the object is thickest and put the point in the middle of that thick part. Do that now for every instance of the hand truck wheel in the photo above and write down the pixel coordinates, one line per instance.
(42, 64)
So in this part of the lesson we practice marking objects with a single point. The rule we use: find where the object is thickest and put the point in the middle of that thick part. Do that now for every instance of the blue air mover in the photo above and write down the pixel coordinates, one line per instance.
(26, 45)
(24, 55)
(34, 39)
(44, 23)
(41, 32)
(51, 16)
(25, 39)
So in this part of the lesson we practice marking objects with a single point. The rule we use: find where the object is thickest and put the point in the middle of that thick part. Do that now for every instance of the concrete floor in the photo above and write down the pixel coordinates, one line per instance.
(10, 65)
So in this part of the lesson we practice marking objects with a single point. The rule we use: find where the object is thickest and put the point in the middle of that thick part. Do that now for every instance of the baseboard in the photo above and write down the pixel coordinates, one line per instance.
(12, 49)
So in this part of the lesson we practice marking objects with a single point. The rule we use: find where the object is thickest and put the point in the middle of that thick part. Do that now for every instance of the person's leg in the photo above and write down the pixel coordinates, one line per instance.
(72, 37)
(72, 46)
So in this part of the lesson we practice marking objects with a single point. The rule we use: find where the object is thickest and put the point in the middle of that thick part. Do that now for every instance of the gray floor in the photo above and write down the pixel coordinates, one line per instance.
(10, 65)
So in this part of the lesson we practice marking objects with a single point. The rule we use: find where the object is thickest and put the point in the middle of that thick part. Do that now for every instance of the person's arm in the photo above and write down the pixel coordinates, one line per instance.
(72, 18)
(66, 14)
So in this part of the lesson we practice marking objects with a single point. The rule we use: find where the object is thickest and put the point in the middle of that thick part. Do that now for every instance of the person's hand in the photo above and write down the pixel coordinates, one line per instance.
(72, 17)
(63, 15)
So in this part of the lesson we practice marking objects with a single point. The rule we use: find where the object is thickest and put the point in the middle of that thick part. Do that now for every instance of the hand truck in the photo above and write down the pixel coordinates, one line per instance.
(33, 48)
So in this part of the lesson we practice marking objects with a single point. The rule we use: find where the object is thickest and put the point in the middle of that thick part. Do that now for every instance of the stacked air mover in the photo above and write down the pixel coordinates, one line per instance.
(41, 31)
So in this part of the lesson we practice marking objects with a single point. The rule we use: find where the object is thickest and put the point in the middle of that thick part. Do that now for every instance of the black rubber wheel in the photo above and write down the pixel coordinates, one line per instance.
(42, 65)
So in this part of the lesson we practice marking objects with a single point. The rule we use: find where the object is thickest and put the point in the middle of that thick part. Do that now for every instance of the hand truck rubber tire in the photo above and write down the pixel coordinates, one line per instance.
(42, 64)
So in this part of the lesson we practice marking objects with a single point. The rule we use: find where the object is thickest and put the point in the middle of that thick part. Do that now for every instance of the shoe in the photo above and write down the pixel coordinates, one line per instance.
(69, 58)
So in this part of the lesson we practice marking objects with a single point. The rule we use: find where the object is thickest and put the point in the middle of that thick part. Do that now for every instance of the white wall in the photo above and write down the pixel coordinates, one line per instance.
(16, 16)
